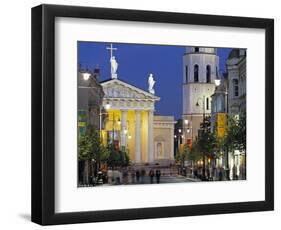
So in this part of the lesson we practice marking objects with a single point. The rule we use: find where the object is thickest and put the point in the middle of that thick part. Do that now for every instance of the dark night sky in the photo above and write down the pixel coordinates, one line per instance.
(135, 62)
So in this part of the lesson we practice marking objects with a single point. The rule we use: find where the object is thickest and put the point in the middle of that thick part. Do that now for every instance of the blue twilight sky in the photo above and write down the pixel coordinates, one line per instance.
(136, 61)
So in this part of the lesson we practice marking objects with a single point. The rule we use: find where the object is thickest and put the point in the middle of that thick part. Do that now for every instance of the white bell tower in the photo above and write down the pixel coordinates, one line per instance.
(200, 69)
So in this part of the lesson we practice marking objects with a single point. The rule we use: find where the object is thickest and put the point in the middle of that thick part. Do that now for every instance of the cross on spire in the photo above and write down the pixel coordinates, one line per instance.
(111, 50)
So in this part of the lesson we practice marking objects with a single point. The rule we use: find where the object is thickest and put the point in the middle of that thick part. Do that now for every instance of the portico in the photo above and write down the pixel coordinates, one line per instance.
(129, 122)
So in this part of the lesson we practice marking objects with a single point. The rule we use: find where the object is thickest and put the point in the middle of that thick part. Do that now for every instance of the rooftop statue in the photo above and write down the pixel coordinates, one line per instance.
(151, 83)
(114, 67)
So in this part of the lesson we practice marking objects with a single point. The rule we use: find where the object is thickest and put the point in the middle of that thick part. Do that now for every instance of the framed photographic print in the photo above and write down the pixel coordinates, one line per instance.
(142, 114)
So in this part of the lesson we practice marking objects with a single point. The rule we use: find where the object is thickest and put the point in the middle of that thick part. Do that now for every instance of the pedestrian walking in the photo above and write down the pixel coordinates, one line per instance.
(151, 174)
(138, 176)
(208, 174)
(142, 176)
(220, 175)
(195, 173)
(158, 174)
(133, 177)
(125, 176)
(234, 172)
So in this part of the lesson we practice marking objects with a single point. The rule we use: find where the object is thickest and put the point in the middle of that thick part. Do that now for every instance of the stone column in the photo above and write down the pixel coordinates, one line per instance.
(138, 138)
(150, 141)
(123, 128)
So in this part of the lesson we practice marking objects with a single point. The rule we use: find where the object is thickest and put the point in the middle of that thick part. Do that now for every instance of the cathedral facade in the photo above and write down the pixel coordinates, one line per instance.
(131, 125)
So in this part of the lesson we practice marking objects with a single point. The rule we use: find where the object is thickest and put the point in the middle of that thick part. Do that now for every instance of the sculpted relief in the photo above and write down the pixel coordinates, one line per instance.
(113, 91)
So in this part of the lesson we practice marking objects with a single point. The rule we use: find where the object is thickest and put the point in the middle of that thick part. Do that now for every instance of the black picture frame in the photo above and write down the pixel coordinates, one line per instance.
(43, 114)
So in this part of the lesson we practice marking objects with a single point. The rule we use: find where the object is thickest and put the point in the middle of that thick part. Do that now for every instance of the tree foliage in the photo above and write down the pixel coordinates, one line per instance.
(207, 141)
(195, 154)
(117, 158)
(235, 138)
(182, 154)
(90, 147)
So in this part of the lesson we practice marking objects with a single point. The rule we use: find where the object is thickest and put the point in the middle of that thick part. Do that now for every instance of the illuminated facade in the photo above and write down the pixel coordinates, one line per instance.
(130, 124)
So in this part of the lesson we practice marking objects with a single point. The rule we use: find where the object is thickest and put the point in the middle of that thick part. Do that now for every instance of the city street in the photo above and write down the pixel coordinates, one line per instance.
(169, 179)
(163, 180)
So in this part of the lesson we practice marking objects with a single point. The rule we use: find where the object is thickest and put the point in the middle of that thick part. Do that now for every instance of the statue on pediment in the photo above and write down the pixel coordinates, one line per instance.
(151, 83)
(114, 66)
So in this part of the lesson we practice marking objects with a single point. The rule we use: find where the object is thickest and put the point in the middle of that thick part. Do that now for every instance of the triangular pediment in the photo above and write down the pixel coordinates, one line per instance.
(116, 88)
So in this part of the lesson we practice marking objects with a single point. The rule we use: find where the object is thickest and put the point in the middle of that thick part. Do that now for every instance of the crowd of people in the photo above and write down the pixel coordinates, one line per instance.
(123, 176)
(219, 173)
(129, 176)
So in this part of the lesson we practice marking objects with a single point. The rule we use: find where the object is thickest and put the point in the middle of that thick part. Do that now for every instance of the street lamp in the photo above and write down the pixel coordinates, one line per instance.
(217, 82)
(107, 107)
(125, 131)
(178, 136)
(86, 76)
(227, 159)
(204, 130)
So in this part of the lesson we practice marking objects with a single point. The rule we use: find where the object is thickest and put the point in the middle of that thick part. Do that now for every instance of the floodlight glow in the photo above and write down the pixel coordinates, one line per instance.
(217, 82)
(86, 76)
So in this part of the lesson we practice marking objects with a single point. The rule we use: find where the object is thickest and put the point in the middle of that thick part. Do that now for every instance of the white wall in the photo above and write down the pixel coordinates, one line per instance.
(15, 114)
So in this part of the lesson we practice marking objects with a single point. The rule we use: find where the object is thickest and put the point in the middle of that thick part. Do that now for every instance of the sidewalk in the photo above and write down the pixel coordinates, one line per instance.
(190, 177)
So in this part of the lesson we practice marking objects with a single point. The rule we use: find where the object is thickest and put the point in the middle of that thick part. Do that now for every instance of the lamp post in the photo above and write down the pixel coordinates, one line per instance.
(178, 137)
(107, 107)
(188, 132)
(226, 154)
(203, 130)
(225, 110)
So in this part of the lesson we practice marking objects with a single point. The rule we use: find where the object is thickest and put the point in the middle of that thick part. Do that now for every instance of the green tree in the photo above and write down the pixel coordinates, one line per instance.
(182, 155)
(91, 152)
(242, 137)
(207, 142)
(195, 154)
(235, 138)
(117, 158)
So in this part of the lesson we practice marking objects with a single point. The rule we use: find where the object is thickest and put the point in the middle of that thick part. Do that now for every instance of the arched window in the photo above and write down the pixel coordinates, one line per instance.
(186, 74)
(235, 88)
(208, 74)
(207, 103)
(196, 73)
(217, 73)
(196, 49)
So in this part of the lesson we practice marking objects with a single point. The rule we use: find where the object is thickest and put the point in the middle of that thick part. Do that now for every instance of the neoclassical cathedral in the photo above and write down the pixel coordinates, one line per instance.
(130, 123)
(200, 69)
